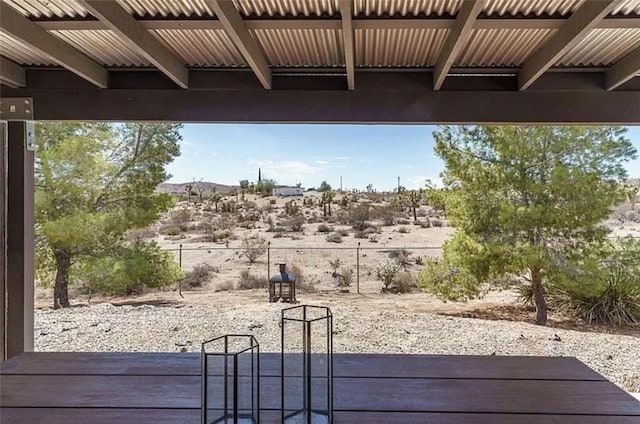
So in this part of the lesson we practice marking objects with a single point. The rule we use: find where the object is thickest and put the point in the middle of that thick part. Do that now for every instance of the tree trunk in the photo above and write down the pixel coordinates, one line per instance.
(61, 288)
(538, 296)
(415, 215)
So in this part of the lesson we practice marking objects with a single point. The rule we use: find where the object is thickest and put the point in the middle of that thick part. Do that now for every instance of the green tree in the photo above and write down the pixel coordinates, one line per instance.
(529, 198)
(95, 181)
(415, 198)
(326, 199)
(324, 186)
(266, 186)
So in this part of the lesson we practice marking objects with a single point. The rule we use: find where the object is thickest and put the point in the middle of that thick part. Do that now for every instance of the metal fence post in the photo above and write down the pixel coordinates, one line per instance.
(358, 268)
(180, 256)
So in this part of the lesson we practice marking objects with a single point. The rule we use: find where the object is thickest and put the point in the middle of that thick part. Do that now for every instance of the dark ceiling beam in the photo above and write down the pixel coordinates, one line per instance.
(574, 30)
(456, 39)
(379, 98)
(358, 23)
(239, 34)
(348, 37)
(126, 27)
(11, 73)
(17, 26)
(623, 71)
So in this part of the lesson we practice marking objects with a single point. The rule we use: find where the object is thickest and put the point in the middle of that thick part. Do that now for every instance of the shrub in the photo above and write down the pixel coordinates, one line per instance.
(172, 231)
(335, 266)
(302, 285)
(403, 221)
(387, 273)
(140, 234)
(130, 268)
(225, 286)
(345, 278)
(437, 223)
(424, 224)
(343, 233)
(613, 297)
(324, 228)
(361, 234)
(295, 223)
(198, 275)
(403, 230)
(359, 216)
(253, 248)
(448, 282)
(248, 281)
(334, 238)
(403, 283)
(401, 256)
(180, 218)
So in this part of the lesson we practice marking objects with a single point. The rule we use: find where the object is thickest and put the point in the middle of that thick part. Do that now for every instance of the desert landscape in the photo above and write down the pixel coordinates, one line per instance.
(229, 242)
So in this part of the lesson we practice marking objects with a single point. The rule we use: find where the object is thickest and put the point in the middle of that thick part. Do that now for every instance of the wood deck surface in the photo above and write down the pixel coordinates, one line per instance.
(56, 388)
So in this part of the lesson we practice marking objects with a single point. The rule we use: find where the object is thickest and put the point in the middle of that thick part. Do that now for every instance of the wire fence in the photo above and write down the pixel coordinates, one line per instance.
(318, 264)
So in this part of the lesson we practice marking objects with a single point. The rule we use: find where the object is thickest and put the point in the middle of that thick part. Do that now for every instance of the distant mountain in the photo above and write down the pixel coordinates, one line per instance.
(180, 188)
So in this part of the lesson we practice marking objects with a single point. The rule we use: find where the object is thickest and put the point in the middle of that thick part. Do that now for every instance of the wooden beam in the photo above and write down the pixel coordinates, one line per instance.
(20, 241)
(17, 26)
(11, 73)
(581, 22)
(242, 39)
(457, 38)
(623, 71)
(122, 23)
(3, 239)
(346, 14)
(327, 23)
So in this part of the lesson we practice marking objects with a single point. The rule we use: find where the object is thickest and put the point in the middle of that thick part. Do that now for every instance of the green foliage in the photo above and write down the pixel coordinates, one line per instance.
(265, 186)
(253, 248)
(129, 268)
(172, 231)
(95, 181)
(447, 282)
(324, 186)
(526, 198)
(386, 273)
(345, 278)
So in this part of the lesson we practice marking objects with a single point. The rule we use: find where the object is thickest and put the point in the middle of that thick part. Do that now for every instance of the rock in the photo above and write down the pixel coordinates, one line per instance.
(556, 338)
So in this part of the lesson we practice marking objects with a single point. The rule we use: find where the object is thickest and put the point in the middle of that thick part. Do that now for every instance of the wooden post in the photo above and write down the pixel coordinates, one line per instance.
(19, 246)
(3, 251)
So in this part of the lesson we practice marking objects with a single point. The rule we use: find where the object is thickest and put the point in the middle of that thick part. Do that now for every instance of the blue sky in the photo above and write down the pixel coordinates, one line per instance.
(309, 154)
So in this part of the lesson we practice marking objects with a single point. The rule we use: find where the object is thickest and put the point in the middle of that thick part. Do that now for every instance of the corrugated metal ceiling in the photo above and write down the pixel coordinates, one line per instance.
(602, 47)
(501, 47)
(104, 46)
(287, 7)
(202, 48)
(21, 53)
(398, 47)
(406, 7)
(295, 47)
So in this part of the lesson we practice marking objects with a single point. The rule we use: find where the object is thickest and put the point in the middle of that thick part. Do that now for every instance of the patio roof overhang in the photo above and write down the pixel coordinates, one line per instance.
(364, 61)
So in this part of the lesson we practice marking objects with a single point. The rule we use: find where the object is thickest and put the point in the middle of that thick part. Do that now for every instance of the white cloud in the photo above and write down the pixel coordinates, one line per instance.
(342, 158)
(286, 172)
(321, 162)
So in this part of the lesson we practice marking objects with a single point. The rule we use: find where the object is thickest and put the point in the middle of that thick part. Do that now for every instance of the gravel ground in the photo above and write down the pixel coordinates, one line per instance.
(360, 324)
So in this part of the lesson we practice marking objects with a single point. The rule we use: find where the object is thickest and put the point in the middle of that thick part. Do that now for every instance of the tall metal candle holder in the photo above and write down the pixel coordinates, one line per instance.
(307, 365)
(231, 380)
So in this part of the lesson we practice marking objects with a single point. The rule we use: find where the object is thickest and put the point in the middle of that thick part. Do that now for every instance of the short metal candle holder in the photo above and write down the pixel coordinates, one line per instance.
(231, 380)
(307, 365)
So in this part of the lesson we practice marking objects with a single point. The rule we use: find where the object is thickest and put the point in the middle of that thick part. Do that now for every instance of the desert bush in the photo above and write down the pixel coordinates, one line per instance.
(253, 248)
(419, 260)
(248, 281)
(403, 283)
(359, 216)
(198, 275)
(343, 232)
(360, 235)
(403, 221)
(437, 223)
(424, 224)
(448, 282)
(324, 228)
(403, 230)
(345, 278)
(225, 286)
(172, 231)
(373, 238)
(295, 223)
(401, 256)
(386, 273)
(180, 218)
(335, 266)
(612, 297)
(334, 238)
